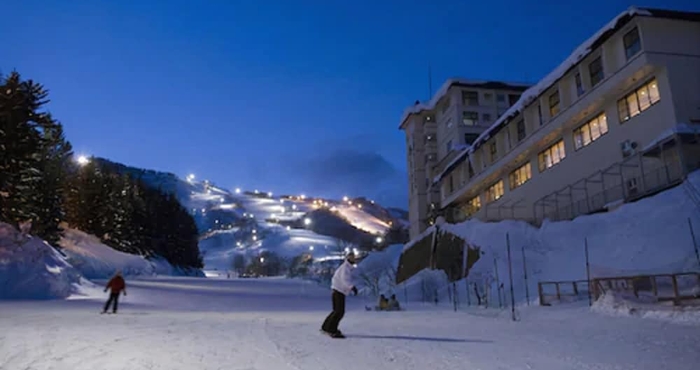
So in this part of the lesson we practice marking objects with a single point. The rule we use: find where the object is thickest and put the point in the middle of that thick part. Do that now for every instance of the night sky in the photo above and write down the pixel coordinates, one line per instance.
(277, 95)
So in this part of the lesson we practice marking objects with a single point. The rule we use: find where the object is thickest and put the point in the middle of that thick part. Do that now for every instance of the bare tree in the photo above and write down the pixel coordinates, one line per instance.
(343, 246)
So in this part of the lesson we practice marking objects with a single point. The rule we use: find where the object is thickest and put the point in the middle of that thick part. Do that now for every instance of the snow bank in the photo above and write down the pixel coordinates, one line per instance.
(618, 305)
(31, 269)
(96, 260)
(649, 236)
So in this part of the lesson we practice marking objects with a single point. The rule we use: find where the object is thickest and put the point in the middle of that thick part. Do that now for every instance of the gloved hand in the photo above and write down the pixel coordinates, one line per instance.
(105, 290)
(354, 290)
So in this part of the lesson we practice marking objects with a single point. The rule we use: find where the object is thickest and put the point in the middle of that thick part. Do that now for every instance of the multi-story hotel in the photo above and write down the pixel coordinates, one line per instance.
(438, 130)
(617, 120)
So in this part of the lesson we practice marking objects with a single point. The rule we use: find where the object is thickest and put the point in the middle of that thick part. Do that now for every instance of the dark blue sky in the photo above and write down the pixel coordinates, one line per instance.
(280, 95)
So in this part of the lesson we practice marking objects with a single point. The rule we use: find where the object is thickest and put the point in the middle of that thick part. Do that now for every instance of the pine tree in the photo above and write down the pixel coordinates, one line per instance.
(33, 157)
(19, 147)
(55, 160)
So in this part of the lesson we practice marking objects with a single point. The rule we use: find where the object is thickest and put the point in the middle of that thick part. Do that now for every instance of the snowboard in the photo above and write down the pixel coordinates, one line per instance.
(339, 336)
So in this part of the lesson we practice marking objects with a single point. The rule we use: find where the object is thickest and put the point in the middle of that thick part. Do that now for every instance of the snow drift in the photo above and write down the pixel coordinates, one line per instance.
(96, 260)
(649, 236)
(31, 269)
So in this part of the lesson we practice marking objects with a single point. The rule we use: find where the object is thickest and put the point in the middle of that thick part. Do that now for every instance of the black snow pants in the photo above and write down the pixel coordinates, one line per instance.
(333, 320)
(113, 298)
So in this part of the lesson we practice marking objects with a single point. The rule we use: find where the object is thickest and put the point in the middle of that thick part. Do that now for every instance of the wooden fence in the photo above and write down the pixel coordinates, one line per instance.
(661, 287)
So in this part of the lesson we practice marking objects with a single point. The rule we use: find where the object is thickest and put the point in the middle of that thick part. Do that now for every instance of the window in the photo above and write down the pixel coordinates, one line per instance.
(470, 118)
(632, 43)
(473, 205)
(449, 145)
(513, 98)
(469, 138)
(595, 69)
(488, 96)
(554, 104)
(638, 101)
(552, 155)
(470, 98)
(486, 117)
(448, 123)
(445, 106)
(590, 132)
(521, 130)
(494, 192)
(493, 149)
(539, 114)
(451, 185)
(520, 176)
(579, 85)
(500, 98)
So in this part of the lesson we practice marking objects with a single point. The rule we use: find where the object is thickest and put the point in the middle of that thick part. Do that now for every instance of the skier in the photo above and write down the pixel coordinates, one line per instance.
(342, 285)
(117, 285)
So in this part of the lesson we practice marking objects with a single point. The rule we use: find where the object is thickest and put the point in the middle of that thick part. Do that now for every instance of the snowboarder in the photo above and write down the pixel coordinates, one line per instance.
(383, 303)
(393, 304)
(117, 285)
(342, 285)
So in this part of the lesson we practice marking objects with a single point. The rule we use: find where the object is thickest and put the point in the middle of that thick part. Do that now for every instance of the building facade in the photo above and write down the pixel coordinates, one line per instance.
(438, 130)
(619, 119)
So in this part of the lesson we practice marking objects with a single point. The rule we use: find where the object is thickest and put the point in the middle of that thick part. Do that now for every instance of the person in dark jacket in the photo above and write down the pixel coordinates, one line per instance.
(341, 284)
(117, 285)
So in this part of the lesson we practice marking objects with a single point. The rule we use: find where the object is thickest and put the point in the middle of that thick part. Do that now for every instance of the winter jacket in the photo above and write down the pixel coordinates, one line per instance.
(342, 279)
(117, 284)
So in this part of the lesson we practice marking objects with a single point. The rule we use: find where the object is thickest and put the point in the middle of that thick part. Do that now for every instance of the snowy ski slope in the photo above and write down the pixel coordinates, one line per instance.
(209, 324)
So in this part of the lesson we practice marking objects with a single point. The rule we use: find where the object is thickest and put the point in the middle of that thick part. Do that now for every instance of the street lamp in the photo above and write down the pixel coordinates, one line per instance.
(307, 221)
(262, 259)
(379, 240)
(311, 247)
(82, 160)
(238, 190)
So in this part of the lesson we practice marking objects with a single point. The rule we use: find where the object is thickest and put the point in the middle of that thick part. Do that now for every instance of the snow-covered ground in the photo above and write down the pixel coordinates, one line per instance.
(189, 323)
(363, 220)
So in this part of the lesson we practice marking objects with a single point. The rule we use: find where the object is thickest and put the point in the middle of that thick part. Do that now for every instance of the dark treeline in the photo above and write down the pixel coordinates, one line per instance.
(40, 182)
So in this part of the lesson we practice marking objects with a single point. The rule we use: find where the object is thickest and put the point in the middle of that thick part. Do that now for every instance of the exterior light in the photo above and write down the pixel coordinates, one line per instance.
(82, 160)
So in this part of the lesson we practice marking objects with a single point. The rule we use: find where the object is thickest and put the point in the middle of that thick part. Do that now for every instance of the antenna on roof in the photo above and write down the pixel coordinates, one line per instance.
(430, 82)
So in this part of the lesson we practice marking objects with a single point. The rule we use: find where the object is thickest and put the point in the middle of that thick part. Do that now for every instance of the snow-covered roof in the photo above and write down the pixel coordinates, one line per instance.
(681, 128)
(430, 105)
(548, 81)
